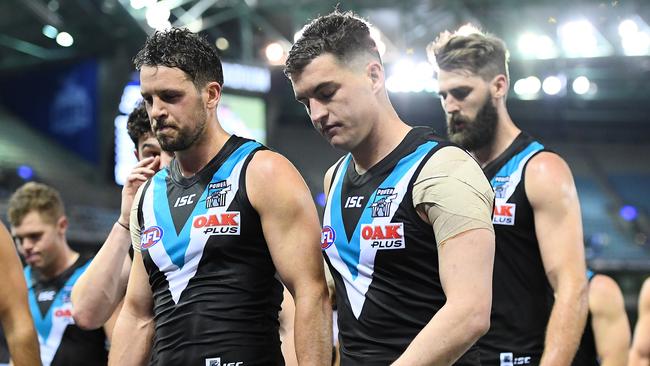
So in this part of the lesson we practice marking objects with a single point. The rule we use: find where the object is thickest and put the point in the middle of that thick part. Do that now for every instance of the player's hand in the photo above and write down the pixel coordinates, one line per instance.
(142, 171)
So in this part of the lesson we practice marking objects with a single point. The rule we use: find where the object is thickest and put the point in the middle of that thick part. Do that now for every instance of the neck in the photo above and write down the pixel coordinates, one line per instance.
(387, 132)
(197, 156)
(505, 134)
(64, 261)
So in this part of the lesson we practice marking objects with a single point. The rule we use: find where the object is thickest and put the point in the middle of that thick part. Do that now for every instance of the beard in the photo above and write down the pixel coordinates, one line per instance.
(474, 134)
(186, 136)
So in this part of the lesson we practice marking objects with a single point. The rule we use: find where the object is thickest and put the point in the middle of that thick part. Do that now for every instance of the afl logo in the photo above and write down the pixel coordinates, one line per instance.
(151, 236)
(327, 237)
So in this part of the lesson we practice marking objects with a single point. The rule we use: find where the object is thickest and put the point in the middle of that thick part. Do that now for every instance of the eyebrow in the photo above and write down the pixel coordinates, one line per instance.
(316, 89)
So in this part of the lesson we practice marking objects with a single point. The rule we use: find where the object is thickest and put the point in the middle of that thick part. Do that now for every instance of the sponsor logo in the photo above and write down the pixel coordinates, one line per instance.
(46, 296)
(354, 202)
(150, 236)
(217, 194)
(504, 214)
(508, 359)
(327, 237)
(225, 223)
(184, 200)
(501, 186)
(381, 205)
(382, 237)
(63, 313)
(217, 362)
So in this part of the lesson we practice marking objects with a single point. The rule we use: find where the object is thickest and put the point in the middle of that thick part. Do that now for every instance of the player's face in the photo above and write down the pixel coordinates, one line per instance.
(470, 110)
(39, 242)
(148, 146)
(339, 100)
(176, 108)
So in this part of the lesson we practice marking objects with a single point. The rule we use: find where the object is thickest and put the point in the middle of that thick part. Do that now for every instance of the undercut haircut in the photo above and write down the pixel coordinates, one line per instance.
(37, 197)
(480, 53)
(180, 48)
(343, 35)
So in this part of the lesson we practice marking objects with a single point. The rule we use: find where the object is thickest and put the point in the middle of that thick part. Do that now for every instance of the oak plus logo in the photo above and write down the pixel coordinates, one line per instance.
(504, 213)
(224, 223)
(384, 236)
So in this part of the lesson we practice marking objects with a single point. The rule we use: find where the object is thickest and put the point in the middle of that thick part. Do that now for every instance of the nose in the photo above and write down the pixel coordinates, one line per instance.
(449, 104)
(317, 112)
(157, 110)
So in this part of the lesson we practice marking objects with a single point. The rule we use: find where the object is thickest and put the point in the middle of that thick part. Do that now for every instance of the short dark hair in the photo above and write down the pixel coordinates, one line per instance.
(344, 35)
(481, 53)
(178, 47)
(138, 124)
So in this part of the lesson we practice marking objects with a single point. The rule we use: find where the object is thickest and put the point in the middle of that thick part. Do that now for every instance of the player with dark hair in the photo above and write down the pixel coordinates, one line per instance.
(540, 289)
(215, 231)
(99, 291)
(406, 231)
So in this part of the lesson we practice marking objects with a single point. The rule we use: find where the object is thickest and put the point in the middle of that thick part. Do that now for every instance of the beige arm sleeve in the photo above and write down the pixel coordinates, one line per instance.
(454, 194)
(134, 225)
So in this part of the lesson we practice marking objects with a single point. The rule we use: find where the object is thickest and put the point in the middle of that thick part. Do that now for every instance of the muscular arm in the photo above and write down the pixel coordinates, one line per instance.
(99, 290)
(553, 197)
(457, 200)
(134, 329)
(291, 229)
(14, 311)
(609, 321)
(467, 281)
(640, 351)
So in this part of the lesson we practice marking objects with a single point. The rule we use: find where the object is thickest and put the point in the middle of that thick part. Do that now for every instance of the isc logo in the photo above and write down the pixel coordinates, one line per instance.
(151, 236)
(504, 214)
(217, 362)
(387, 236)
(184, 200)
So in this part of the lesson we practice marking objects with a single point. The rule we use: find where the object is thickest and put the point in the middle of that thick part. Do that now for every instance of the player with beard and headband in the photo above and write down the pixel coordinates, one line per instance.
(407, 233)
(540, 287)
(215, 232)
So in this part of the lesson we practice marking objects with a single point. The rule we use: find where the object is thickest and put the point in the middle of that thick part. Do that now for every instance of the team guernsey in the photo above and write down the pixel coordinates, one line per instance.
(215, 290)
(522, 296)
(382, 255)
(62, 343)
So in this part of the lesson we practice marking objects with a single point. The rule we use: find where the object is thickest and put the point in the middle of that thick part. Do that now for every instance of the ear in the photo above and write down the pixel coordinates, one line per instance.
(213, 92)
(375, 72)
(499, 86)
(62, 225)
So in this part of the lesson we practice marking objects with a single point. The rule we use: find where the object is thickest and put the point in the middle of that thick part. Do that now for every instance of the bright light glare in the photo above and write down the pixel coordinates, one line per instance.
(157, 16)
(64, 39)
(637, 44)
(50, 31)
(581, 85)
(408, 76)
(627, 28)
(222, 43)
(552, 85)
(139, 4)
(536, 46)
(527, 87)
(274, 52)
(579, 39)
